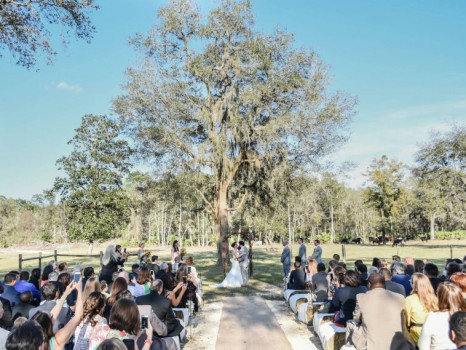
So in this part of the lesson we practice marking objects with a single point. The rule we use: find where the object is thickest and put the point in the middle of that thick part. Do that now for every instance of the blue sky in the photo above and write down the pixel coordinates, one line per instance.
(403, 60)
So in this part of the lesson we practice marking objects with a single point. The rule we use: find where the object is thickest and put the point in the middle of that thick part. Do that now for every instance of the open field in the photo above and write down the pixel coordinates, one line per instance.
(268, 273)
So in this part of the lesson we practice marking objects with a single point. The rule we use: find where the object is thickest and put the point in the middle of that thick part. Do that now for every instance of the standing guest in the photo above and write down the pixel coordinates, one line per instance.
(435, 332)
(24, 306)
(320, 283)
(3, 332)
(23, 285)
(35, 278)
(409, 262)
(161, 306)
(399, 276)
(92, 317)
(458, 329)
(28, 336)
(45, 274)
(379, 313)
(50, 295)
(9, 292)
(377, 263)
(297, 280)
(431, 271)
(302, 249)
(392, 286)
(421, 301)
(459, 278)
(317, 254)
(154, 266)
(55, 339)
(92, 285)
(175, 252)
(285, 258)
(344, 299)
(144, 279)
(111, 260)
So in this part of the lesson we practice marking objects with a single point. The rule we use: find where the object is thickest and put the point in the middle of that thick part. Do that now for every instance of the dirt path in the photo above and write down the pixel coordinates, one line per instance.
(248, 323)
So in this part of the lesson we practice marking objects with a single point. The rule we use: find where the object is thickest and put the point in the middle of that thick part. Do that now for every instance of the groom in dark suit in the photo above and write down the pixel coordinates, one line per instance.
(161, 307)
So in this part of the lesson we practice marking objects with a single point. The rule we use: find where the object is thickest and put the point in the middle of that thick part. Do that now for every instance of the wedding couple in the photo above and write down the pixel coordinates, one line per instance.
(239, 273)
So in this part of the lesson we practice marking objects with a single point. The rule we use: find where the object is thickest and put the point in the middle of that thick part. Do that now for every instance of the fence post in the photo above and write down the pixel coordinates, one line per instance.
(55, 256)
(20, 265)
(40, 261)
(451, 252)
(101, 255)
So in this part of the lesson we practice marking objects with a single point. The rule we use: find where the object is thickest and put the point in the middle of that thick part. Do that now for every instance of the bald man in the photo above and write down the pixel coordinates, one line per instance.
(379, 313)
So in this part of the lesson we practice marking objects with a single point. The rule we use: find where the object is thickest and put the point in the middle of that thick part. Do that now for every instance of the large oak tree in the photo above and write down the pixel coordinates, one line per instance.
(215, 95)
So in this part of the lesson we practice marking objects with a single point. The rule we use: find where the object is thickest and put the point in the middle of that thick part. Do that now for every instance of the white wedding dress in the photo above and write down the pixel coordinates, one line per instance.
(233, 279)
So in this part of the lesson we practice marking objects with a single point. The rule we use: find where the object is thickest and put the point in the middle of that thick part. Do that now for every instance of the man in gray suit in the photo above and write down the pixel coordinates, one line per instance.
(244, 263)
(286, 258)
(317, 254)
(302, 251)
(50, 293)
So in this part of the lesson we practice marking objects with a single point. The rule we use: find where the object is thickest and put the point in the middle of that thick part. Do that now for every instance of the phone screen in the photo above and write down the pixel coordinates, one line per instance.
(189, 269)
(185, 279)
(144, 322)
(124, 250)
(77, 277)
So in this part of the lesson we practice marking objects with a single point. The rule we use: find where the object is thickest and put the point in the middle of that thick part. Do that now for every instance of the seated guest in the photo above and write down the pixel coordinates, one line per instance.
(23, 285)
(435, 332)
(191, 284)
(135, 270)
(396, 258)
(88, 272)
(392, 286)
(62, 267)
(361, 270)
(177, 294)
(191, 268)
(112, 344)
(124, 324)
(452, 268)
(418, 266)
(336, 279)
(56, 339)
(431, 271)
(50, 295)
(409, 263)
(379, 314)
(144, 279)
(311, 269)
(104, 289)
(3, 332)
(92, 285)
(421, 301)
(24, 305)
(458, 329)
(119, 285)
(384, 263)
(7, 320)
(133, 286)
(9, 291)
(45, 274)
(165, 277)
(92, 317)
(64, 280)
(459, 278)
(377, 263)
(297, 279)
(161, 307)
(154, 266)
(336, 257)
(35, 278)
(27, 336)
(320, 283)
(344, 300)
(399, 276)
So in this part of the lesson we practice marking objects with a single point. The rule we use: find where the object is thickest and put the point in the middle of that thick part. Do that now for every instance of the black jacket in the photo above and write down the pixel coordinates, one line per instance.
(163, 309)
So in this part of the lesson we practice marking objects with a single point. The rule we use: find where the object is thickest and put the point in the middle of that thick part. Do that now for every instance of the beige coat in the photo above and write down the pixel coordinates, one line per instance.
(381, 314)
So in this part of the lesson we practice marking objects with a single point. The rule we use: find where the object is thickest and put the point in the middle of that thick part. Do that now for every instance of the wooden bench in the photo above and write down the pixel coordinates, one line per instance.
(331, 336)
(296, 300)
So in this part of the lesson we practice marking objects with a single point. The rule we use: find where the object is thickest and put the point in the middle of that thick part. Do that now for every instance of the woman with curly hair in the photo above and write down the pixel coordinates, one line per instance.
(92, 317)
(144, 279)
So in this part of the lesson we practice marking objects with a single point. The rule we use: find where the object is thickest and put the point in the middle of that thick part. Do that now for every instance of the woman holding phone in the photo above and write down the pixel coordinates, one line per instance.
(111, 260)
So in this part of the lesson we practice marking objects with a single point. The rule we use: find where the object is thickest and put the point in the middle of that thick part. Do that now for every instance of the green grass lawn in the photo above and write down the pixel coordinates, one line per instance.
(267, 271)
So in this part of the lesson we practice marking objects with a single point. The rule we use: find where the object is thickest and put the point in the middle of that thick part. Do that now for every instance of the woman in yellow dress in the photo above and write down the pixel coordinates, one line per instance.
(418, 305)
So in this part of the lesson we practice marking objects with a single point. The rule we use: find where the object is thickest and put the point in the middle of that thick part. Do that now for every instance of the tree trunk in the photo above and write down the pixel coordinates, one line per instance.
(289, 222)
(332, 225)
(221, 225)
(179, 227)
(432, 227)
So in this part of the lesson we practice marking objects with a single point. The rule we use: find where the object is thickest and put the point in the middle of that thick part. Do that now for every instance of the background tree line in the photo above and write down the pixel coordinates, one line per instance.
(427, 199)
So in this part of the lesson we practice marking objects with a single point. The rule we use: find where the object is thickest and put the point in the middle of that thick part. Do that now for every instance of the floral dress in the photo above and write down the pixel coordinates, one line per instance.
(103, 332)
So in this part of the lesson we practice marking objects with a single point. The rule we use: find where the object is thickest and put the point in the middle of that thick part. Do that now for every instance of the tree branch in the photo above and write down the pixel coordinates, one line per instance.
(241, 203)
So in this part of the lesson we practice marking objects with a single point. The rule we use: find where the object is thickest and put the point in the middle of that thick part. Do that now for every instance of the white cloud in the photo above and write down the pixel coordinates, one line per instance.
(65, 86)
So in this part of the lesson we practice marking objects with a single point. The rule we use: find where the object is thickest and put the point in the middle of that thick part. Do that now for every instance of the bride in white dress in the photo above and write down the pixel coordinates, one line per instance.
(233, 279)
